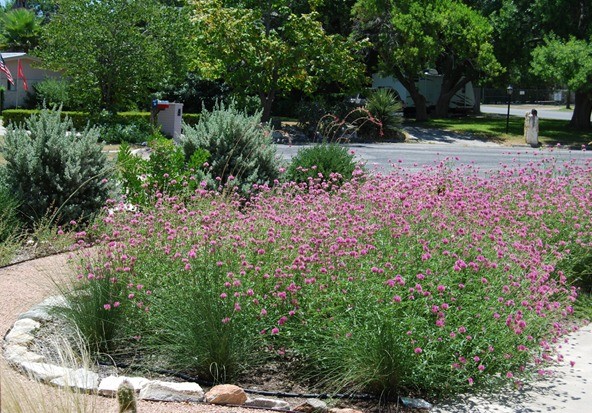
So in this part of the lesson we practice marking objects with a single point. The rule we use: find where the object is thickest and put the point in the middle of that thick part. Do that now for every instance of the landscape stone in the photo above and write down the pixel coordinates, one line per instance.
(312, 405)
(226, 394)
(16, 354)
(262, 402)
(44, 371)
(109, 385)
(172, 392)
(346, 410)
(20, 333)
(81, 379)
(37, 313)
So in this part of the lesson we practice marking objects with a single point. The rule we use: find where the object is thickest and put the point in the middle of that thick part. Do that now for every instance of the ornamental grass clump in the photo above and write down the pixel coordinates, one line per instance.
(429, 283)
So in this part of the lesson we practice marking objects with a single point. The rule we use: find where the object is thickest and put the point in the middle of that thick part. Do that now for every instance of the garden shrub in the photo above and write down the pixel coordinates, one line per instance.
(165, 171)
(53, 92)
(330, 162)
(384, 107)
(9, 221)
(240, 148)
(311, 113)
(54, 170)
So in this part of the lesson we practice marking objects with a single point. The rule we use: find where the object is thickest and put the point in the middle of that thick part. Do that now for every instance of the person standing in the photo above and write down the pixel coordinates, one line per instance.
(531, 128)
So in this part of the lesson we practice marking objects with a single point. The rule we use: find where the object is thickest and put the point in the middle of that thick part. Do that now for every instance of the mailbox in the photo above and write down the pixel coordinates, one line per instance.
(170, 115)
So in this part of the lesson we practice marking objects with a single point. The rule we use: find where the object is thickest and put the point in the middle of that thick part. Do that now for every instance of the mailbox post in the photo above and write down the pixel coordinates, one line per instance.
(169, 116)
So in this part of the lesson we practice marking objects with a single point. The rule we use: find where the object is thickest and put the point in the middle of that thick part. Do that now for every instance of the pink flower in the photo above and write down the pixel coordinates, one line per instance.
(107, 307)
(275, 330)
(418, 350)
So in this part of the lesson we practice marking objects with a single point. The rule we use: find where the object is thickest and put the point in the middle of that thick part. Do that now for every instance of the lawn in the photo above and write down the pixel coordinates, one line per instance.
(493, 128)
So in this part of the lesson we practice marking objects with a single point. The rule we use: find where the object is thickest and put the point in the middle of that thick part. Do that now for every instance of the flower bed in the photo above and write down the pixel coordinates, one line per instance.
(406, 283)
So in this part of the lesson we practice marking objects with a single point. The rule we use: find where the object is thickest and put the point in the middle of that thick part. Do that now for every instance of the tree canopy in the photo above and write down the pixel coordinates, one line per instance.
(115, 52)
(568, 63)
(266, 48)
(411, 36)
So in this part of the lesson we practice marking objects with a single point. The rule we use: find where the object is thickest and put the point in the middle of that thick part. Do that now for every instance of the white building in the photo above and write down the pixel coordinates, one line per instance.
(15, 95)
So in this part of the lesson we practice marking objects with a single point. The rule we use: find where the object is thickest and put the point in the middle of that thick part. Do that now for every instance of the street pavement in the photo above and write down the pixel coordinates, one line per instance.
(543, 111)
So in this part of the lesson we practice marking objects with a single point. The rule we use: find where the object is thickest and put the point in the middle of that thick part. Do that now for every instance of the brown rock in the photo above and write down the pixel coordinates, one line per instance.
(226, 394)
(348, 410)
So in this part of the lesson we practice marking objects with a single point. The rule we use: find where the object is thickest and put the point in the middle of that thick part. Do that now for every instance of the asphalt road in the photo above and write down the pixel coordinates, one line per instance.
(544, 111)
(413, 157)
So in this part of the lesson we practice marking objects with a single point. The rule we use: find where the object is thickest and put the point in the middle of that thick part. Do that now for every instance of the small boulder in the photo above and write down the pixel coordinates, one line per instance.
(109, 385)
(81, 379)
(312, 406)
(172, 392)
(16, 354)
(226, 394)
(264, 403)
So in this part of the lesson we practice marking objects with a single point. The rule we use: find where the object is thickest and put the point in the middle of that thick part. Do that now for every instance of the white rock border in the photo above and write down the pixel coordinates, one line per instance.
(17, 353)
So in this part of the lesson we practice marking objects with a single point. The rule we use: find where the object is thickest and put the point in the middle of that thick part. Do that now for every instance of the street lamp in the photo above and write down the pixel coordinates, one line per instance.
(509, 89)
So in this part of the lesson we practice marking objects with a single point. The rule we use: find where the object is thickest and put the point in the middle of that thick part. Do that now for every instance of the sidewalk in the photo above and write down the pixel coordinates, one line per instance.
(567, 389)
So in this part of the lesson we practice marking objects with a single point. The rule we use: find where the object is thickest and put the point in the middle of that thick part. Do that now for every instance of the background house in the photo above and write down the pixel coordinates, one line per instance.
(15, 95)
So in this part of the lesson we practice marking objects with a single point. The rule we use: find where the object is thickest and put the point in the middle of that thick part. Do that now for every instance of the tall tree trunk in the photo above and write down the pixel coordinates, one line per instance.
(450, 86)
(267, 99)
(582, 110)
(477, 95)
(419, 100)
(421, 109)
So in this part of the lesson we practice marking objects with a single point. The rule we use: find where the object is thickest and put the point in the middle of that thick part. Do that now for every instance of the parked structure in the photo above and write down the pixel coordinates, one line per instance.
(429, 85)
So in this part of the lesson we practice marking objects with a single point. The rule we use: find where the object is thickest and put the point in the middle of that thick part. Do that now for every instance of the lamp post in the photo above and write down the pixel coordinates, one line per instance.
(509, 89)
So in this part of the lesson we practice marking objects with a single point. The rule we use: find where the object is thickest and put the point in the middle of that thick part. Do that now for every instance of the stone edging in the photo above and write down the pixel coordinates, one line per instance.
(19, 339)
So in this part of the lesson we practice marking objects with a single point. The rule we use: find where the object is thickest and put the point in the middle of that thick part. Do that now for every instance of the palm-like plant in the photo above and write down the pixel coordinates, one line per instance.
(19, 30)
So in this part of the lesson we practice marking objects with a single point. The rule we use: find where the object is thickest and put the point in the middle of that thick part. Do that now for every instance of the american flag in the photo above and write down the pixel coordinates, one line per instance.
(4, 69)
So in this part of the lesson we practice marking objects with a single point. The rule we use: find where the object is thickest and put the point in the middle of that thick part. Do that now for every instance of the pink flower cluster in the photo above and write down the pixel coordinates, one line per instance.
(467, 267)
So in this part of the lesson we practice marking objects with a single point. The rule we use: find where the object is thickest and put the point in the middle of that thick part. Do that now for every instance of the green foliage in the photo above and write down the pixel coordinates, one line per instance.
(198, 335)
(280, 49)
(413, 35)
(54, 170)
(19, 30)
(165, 171)
(9, 222)
(123, 51)
(565, 63)
(19, 117)
(92, 311)
(384, 107)
(131, 127)
(53, 92)
(329, 162)
(240, 148)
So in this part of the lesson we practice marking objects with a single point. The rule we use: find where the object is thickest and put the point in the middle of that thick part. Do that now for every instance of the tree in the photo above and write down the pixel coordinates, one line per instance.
(568, 63)
(267, 48)
(116, 52)
(411, 36)
(19, 31)
(466, 52)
